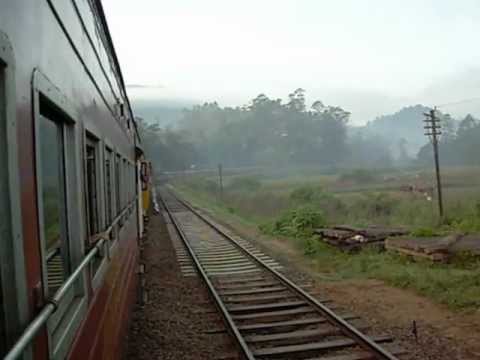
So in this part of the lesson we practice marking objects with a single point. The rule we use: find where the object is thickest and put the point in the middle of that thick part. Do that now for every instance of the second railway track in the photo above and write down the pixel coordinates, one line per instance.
(269, 316)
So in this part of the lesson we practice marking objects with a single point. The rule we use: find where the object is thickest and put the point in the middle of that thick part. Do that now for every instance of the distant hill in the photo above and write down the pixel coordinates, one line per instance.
(405, 124)
(162, 111)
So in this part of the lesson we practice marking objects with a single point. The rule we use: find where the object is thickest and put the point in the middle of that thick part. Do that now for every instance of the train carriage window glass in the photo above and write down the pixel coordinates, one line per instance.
(117, 184)
(125, 190)
(52, 176)
(108, 187)
(124, 184)
(91, 183)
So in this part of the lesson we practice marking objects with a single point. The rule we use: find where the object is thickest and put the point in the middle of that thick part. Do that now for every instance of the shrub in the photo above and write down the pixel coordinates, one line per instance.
(424, 232)
(306, 193)
(375, 205)
(470, 224)
(359, 176)
(200, 184)
(245, 183)
(315, 195)
(298, 222)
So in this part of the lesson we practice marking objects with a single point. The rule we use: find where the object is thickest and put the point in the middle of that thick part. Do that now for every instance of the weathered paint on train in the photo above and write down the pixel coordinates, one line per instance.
(67, 42)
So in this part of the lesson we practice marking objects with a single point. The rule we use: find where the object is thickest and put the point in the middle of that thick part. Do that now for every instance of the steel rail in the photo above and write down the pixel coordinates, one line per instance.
(363, 340)
(52, 304)
(218, 301)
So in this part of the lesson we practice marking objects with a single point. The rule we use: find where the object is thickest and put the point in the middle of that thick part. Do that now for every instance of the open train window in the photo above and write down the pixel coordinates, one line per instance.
(92, 191)
(53, 194)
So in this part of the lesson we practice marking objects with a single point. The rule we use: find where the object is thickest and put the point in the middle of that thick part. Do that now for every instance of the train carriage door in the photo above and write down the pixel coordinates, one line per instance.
(3, 331)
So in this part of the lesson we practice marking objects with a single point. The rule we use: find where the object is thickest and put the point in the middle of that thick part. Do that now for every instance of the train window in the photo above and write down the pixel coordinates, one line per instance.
(108, 186)
(91, 178)
(125, 184)
(54, 221)
(117, 184)
(59, 210)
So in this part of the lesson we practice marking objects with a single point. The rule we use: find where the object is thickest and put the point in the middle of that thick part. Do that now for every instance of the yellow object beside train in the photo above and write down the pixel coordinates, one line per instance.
(146, 178)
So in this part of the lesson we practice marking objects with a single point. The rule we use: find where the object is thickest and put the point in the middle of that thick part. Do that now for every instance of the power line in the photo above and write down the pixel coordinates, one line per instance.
(459, 102)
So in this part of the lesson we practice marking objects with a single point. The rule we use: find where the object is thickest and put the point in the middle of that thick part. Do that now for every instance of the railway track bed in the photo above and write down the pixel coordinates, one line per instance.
(268, 315)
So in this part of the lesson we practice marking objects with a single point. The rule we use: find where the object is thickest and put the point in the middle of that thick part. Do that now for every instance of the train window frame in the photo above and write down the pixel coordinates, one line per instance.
(93, 141)
(99, 265)
(109, 188)
(125, 188)
(108, 183)
(63, 324)
(14, 307)
(118, 184)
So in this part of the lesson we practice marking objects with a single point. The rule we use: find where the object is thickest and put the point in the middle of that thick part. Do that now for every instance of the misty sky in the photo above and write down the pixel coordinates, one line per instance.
(370, 57)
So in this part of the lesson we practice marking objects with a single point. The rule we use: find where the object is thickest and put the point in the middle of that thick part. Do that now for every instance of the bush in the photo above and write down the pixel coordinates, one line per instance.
(374, 205)
(299, 222)
(306, 193)
(424, 232)
(359, 176)
(245, 183)
(311, 194)
(200, 184)
(468, 225)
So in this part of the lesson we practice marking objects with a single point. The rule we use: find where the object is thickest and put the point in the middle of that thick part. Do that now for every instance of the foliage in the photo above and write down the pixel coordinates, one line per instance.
(264, 132)
(358, 176)
(297, 222)
(405, 124)
(203, 185)
(458, 146)
(424, 232)
(306, 193)
(470, 224)
(169, 150)
(245, 183)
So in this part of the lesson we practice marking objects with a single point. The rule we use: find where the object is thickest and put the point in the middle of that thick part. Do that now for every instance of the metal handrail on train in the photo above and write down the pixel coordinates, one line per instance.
(41, 319)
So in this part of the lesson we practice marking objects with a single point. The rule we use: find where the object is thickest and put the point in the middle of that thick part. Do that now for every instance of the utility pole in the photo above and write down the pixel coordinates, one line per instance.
(220, 180)
(432, 130)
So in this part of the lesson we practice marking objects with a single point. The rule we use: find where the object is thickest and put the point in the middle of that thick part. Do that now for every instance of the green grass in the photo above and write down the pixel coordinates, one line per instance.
(457, 284)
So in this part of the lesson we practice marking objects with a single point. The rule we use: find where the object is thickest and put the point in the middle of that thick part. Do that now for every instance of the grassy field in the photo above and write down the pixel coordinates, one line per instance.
(289, 207)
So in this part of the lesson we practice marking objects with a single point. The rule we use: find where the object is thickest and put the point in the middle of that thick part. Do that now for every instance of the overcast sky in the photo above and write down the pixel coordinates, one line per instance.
(370, 57)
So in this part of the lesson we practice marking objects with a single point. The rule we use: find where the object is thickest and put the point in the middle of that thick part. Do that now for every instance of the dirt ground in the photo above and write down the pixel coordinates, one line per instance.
(441, 333)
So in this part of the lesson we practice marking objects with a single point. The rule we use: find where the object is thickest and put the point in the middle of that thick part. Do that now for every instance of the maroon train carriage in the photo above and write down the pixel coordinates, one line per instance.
(70, 210)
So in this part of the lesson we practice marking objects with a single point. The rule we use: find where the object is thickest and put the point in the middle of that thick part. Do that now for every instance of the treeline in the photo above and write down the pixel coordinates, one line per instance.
(267, 132)
(273, 133)
(459, 143)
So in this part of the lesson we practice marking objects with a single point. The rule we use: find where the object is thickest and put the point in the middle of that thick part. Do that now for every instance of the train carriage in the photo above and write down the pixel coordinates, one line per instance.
(69, 183)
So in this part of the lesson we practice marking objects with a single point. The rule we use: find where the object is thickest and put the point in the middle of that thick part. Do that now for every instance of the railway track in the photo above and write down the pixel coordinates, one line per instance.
(269, 316)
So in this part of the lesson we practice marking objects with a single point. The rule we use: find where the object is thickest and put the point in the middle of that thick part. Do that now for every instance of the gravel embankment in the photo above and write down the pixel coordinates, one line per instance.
(178, 321)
